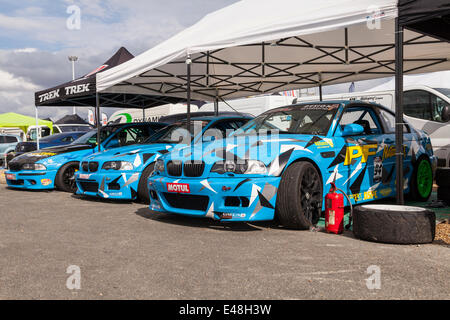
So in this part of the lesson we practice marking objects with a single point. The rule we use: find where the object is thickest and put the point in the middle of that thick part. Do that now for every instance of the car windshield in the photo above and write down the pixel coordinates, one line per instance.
(177, 132)
(91, 136)
(51, 138)
(444, 91)
(301, 119)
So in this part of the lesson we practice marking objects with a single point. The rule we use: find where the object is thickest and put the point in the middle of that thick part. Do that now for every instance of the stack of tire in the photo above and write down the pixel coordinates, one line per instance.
(443, 182)
(394, 224)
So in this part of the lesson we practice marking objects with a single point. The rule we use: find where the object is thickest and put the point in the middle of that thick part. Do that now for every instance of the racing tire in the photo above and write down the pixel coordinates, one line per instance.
(65, 178)
(443, 194)
(299, 198)
(143, 192)
(394, 224)
(421, 184)
(443, 177)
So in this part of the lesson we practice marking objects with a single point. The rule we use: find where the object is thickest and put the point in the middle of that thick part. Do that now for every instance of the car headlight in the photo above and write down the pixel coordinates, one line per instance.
(33, 166)
(118, 165)
(159, 165)
(247, 167)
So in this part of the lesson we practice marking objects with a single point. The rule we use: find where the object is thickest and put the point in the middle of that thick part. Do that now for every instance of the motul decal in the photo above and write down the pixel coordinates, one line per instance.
(178, 187)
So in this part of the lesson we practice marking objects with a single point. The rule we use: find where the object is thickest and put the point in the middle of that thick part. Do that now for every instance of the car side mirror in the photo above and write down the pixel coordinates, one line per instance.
(209, 138)
(352, 129)
(445, 114)
(114, 143)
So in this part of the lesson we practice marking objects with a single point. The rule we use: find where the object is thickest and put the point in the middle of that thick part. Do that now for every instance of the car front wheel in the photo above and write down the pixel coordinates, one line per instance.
(65, 179)
(299, 199)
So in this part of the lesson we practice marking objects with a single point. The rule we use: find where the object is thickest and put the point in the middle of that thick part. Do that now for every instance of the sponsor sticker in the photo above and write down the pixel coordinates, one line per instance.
(386, 192)
(178, 187)
(42, 154)
(10, 176)
(46, 182)
(83, 176)
(377, 169)
(324, 107)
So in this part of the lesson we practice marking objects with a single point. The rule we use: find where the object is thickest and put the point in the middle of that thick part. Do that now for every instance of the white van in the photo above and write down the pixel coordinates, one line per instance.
(425, 108)
(252, 105)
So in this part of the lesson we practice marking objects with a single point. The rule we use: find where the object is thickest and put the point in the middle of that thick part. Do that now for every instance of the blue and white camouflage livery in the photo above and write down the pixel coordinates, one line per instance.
(123, 181)
(349, 143)
(38, 170)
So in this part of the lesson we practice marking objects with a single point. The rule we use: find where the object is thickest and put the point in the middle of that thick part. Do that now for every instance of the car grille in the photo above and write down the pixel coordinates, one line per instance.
(174, 168)
(14, 166)
(17, 182)
(89, 186)
(188, 202)
(193, 169)
(89, 166)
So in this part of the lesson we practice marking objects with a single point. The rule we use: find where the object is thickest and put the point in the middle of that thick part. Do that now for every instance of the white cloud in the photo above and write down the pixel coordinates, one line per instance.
(106, 25)
(9, 82)
(26, 50)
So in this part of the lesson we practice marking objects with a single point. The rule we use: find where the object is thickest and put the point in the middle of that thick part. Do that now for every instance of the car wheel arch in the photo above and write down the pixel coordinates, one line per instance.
(303, 159)
(143, 196)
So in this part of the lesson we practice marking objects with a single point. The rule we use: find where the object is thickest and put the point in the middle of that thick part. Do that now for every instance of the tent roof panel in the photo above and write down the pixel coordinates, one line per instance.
(308, 44)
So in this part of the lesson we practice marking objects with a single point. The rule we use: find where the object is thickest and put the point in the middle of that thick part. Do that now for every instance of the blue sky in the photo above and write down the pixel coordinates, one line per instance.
(35, 41)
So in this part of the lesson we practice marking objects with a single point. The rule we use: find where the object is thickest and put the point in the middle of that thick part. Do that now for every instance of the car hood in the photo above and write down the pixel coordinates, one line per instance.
(34, 156)
(130, 153)
(266, 149)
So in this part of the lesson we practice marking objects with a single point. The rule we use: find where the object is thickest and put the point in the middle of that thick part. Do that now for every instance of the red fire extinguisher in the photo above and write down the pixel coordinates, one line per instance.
(334, 210)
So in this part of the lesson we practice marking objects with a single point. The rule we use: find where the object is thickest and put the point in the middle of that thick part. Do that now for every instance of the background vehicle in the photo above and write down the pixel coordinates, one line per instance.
(7, 146)
(59, 139)
(122, 173)
(42, 131)
(426, 108)
(56, 166)
(284, 161)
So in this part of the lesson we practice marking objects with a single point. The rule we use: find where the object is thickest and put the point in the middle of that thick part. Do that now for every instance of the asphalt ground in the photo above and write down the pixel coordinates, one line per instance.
(125, 251)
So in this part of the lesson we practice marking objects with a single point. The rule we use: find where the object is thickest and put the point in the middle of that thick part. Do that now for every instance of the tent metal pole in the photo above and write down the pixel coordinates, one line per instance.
(188, 92)
(37, 128)
(97, 116)
(216, 106)
(143, 114)
(320, 87)
(399, 110)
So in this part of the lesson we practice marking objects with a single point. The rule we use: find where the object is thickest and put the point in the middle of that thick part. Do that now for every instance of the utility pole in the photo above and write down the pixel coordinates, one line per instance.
(73, 59)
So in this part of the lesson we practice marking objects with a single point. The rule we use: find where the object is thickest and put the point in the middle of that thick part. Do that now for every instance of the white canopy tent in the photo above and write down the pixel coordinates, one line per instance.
(260, 46)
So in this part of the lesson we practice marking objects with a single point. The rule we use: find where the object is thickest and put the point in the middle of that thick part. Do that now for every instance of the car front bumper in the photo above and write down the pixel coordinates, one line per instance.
(226, 199)
(108, 185)
(31, 180)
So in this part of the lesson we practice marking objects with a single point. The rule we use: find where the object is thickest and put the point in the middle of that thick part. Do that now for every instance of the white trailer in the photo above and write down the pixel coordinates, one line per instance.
(426, 108)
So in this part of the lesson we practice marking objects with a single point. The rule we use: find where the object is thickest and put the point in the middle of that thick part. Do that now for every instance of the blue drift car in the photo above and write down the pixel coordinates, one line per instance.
(55, 167)
(283, 162)
(122, 173)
